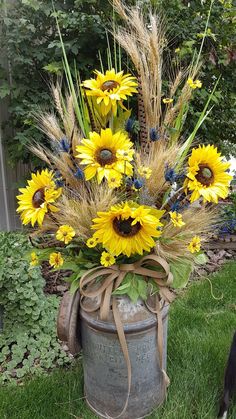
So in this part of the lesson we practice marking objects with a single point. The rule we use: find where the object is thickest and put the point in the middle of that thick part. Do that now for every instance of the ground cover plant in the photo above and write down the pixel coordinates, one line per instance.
(200, 331)
(28, 342)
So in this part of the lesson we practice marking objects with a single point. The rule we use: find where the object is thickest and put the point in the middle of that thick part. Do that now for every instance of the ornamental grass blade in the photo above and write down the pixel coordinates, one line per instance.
(187, 144)
(79, 112)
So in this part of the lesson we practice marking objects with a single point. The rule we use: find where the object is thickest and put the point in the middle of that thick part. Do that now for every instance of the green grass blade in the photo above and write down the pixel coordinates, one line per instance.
(78, 112)
(186, 146)
(205, 33)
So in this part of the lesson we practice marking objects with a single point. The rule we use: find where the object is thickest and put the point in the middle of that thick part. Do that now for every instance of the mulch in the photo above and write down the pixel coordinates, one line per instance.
(55, 281)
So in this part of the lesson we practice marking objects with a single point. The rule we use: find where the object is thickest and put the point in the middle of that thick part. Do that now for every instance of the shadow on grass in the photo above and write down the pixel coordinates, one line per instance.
(200, 332)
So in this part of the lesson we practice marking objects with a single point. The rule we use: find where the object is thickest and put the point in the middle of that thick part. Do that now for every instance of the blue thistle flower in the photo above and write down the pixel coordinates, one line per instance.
(79, 174)
(58, 179)
(180, 177)
(138, 183)
(59, 182)
(170, 174)
(128, 181)
(175, 206)
(154, 135)
(129, 125)
(64, 145)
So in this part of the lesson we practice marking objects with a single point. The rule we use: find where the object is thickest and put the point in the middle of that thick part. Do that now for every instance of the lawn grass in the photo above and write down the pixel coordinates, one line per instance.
(200, 333)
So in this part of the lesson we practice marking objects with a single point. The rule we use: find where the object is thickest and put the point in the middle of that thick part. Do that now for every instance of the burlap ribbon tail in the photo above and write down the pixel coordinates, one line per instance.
(99, 296)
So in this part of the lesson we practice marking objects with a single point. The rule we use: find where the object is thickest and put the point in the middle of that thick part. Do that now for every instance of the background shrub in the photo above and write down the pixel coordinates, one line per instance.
(30, 39)
(28, 342)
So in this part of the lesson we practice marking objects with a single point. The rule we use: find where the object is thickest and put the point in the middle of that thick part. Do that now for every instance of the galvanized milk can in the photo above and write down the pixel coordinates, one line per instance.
(105, 370)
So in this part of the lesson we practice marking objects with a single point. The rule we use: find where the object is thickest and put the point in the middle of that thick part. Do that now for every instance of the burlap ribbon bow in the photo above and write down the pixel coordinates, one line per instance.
(97, 294)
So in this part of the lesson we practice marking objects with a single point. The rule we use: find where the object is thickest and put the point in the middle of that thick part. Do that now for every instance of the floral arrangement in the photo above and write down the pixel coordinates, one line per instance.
(123, 182)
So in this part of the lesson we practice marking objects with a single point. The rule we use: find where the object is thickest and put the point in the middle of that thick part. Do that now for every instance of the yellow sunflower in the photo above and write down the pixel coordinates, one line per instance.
(128, 228)
(207, 176)
(110, 89)
(38, 197)
(106, 155)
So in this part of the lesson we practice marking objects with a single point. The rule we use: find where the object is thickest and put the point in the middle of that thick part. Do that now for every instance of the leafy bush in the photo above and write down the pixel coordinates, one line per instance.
(29, 36)
(28, 342)
(228, 217)
(186, 23)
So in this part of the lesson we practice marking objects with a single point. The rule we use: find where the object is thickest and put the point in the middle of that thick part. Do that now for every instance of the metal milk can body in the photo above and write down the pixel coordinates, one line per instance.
(105, 370)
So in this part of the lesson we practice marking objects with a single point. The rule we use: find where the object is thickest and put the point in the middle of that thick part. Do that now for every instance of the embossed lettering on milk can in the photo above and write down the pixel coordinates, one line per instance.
(105, 369)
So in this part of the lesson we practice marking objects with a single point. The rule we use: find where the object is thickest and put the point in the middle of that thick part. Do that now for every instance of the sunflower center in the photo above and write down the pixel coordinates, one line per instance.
(105, 156)
(124, 227)
(205, 175)
(38, 198)
(109, 85)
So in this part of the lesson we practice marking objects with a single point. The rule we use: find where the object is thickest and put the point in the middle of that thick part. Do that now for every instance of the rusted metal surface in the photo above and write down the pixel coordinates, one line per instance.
(105, 370)
(68, 322)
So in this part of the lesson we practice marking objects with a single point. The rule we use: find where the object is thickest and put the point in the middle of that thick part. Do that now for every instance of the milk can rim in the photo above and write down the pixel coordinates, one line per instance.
(134, 327)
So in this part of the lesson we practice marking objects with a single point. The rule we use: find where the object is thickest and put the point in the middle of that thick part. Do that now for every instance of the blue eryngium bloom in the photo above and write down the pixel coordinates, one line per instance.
(64, 145)
(59, 182)
(79, 174)
(175, 206)
(138, 183)
(129, 125)
(170, 175)
(154, 135)
(58, 179)
(128, 181)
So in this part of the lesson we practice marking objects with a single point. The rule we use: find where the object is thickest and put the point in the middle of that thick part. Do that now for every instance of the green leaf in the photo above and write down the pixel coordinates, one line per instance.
(200, 258)
(133, 294)
(54, 68)
(181, 270)
(69, 265)
(74, 286)
(142, 287)
(134, 286)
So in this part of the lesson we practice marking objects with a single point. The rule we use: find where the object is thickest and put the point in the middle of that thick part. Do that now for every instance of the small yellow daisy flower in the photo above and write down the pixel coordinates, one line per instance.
(194, 84)
(92, 242)
(65, 233)
(127, 155)
(145, 172)
(167, 100)
(198, 84)
(56, 260)
(114, 179)
(195, 244)
(107, 259)
(34, 259)
(176, 219)
(177, 50)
